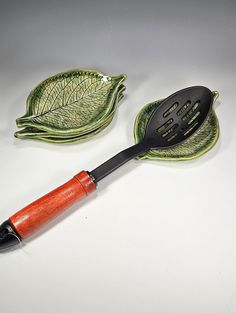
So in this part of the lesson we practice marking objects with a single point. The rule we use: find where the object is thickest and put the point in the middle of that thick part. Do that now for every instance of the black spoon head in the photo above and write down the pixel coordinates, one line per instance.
(178, 117)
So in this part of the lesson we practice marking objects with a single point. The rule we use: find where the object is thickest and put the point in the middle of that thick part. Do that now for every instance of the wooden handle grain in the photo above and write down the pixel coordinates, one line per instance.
(32, 217)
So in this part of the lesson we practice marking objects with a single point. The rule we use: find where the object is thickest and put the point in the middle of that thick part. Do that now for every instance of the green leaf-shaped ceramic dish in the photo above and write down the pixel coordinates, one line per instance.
(199, 143)
(71, 104)
(34, 133)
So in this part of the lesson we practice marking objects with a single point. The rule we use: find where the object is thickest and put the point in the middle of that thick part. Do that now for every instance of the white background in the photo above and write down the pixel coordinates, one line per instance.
(157, 236)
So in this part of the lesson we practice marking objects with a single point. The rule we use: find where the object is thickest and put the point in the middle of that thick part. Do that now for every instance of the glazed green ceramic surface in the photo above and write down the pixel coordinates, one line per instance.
(71, 104)
(199, 143)
(48, 136)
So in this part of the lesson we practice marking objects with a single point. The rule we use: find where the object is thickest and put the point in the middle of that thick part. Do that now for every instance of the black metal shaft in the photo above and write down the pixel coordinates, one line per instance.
(119, 159)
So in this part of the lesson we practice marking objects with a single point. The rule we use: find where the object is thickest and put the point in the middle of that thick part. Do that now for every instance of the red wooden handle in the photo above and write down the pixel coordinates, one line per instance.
(35, 215)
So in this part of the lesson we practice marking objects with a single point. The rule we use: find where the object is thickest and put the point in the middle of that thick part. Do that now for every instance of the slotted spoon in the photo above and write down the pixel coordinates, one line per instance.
(174, 120)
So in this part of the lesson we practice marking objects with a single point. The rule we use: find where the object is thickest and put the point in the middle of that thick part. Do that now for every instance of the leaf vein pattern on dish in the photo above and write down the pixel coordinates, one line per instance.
(71, 104)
